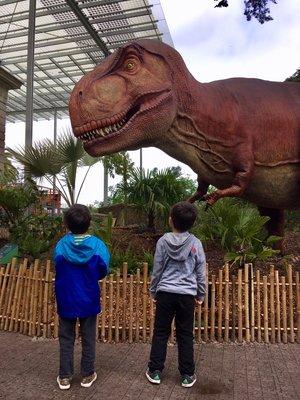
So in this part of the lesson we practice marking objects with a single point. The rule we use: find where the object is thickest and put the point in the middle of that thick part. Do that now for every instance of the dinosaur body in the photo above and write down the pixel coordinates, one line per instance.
(240, 135)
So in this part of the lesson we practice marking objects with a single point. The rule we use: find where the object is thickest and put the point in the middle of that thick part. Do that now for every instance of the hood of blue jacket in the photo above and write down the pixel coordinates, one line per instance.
(178, 245)
(80, 253)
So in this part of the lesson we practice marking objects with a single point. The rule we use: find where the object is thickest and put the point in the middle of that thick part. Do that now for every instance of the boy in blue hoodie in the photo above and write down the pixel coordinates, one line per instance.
(81, 260)
(178, 282)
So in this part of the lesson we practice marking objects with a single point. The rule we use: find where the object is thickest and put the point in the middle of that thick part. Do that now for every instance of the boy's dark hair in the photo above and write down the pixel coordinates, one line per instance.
(78, 218)
(183, 215)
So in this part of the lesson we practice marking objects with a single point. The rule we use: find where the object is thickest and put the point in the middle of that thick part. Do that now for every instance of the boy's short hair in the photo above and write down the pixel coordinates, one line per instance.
(78, 218)
(183, 215)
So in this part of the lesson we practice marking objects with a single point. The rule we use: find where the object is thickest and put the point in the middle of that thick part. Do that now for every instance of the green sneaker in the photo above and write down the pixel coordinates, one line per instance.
(154, 377)
(188, 380)
(63, 383)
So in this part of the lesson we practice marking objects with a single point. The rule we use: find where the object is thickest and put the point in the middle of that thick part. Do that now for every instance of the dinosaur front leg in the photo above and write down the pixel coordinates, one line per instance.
(201, 190)
(243, 168)
(275, 226)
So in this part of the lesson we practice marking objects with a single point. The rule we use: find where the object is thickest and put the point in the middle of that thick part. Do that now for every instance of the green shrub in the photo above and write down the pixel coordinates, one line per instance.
(36, 234)
(238, 228)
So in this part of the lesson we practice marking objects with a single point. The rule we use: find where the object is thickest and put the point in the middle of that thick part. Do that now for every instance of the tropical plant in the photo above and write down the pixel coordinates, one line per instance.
(239, 229)
(103, 229)
(16, 199)
(8, 172)
(62, 160)
(154, 191)
(36, 234)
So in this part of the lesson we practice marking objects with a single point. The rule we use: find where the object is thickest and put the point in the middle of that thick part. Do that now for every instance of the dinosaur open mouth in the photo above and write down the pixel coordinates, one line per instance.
(105, 127)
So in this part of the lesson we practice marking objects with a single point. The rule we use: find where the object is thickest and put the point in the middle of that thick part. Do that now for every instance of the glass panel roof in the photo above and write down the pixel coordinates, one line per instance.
(65, 47)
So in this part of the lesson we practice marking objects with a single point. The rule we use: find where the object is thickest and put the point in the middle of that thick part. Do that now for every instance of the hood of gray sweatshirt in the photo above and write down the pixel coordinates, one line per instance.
(178, 245)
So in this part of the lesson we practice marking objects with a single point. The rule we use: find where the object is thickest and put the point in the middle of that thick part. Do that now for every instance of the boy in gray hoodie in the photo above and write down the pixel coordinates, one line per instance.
(178, 283)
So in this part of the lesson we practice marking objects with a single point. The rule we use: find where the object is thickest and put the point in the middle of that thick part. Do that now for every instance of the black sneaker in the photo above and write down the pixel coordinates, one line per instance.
(154, 377)
(188, 380)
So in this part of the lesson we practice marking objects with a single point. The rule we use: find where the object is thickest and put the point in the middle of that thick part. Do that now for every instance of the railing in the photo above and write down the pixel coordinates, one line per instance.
(245, 307)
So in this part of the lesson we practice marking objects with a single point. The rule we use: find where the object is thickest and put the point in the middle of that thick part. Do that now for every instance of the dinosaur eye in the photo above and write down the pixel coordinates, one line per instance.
(131, 65)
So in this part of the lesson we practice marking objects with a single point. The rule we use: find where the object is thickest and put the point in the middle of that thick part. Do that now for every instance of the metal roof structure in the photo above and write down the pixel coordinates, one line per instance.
(70, 37)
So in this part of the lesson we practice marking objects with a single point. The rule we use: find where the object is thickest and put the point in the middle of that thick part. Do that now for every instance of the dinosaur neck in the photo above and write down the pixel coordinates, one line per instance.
(207, 156)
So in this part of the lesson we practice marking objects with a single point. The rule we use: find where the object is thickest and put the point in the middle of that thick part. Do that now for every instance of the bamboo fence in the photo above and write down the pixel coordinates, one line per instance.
(247, 307)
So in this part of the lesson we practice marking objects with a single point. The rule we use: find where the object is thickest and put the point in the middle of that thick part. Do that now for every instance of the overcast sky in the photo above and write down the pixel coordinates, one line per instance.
(215, 44)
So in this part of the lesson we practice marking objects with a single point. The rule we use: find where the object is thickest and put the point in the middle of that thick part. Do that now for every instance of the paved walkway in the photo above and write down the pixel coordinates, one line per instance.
(225, 371)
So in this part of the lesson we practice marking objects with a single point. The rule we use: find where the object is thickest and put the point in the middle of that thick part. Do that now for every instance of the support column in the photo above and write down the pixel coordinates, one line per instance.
(105, 186)
(30, 73)
(141, 161)
(54, 141)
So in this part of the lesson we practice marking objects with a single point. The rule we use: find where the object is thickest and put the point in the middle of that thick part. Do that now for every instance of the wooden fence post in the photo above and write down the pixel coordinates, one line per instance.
(103, 309)
(220, 305)
(246, 299)
(45, 300)
(252, 310)
(258, 306)
(130, 334)
(284, 318)
(11, 286)
(265, 294)
(298, 305)
(110, 307)
(117, 324)
(137, 305)
(240, 307)
(278, 305)
(206, 308)
(291, 310)
(226, 303)
(145, 298)
(272, 304)
(212, 308)
(124, 299)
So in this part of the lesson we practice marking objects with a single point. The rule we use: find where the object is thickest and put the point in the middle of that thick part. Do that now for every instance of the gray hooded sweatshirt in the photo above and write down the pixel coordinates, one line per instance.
(179, 265)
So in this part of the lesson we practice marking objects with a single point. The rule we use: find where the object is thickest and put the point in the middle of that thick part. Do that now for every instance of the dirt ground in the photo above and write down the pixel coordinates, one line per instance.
(224, 371)
(145, 242)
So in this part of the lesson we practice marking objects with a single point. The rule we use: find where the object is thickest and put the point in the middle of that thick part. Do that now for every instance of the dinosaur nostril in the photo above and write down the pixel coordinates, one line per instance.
(80, 93)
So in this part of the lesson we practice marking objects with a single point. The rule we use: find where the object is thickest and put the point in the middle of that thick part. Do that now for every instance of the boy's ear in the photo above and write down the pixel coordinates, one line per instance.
(170, 222)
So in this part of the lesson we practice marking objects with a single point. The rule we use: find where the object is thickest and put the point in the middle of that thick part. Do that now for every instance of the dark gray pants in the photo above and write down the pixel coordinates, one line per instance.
(66, 335)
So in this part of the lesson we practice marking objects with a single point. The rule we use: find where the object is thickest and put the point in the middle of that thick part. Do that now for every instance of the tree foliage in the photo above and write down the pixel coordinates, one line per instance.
(257, 9)
(61, 160)
(154, 191)
(295, 77)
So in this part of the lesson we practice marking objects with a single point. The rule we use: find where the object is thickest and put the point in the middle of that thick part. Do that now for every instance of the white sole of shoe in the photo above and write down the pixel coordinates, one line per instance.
(152, 380)
(189, 384)
(61, 386)
(87, 385)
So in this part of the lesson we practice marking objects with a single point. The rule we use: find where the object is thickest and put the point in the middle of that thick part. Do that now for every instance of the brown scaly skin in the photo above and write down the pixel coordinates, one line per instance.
(240, 135)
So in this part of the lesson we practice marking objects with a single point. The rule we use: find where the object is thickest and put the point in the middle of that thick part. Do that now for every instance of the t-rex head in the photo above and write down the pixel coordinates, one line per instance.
(129, 100)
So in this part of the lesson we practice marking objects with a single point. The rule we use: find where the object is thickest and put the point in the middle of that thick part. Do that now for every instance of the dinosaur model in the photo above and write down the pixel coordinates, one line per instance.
(240, 135)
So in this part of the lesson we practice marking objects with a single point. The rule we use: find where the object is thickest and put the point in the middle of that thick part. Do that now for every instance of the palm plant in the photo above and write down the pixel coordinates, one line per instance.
(239, 229)
(45, 160)
(154, 191)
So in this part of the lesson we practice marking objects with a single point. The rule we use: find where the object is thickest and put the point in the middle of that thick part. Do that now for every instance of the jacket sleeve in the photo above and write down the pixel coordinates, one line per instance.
(158, 264)
(103, 263)
(200, 272)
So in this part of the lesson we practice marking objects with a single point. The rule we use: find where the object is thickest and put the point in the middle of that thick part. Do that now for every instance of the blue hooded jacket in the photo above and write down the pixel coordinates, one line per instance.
(80, 262)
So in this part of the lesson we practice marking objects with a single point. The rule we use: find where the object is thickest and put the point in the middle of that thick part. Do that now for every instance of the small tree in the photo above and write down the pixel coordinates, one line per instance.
(155, 191)
(62, 161)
